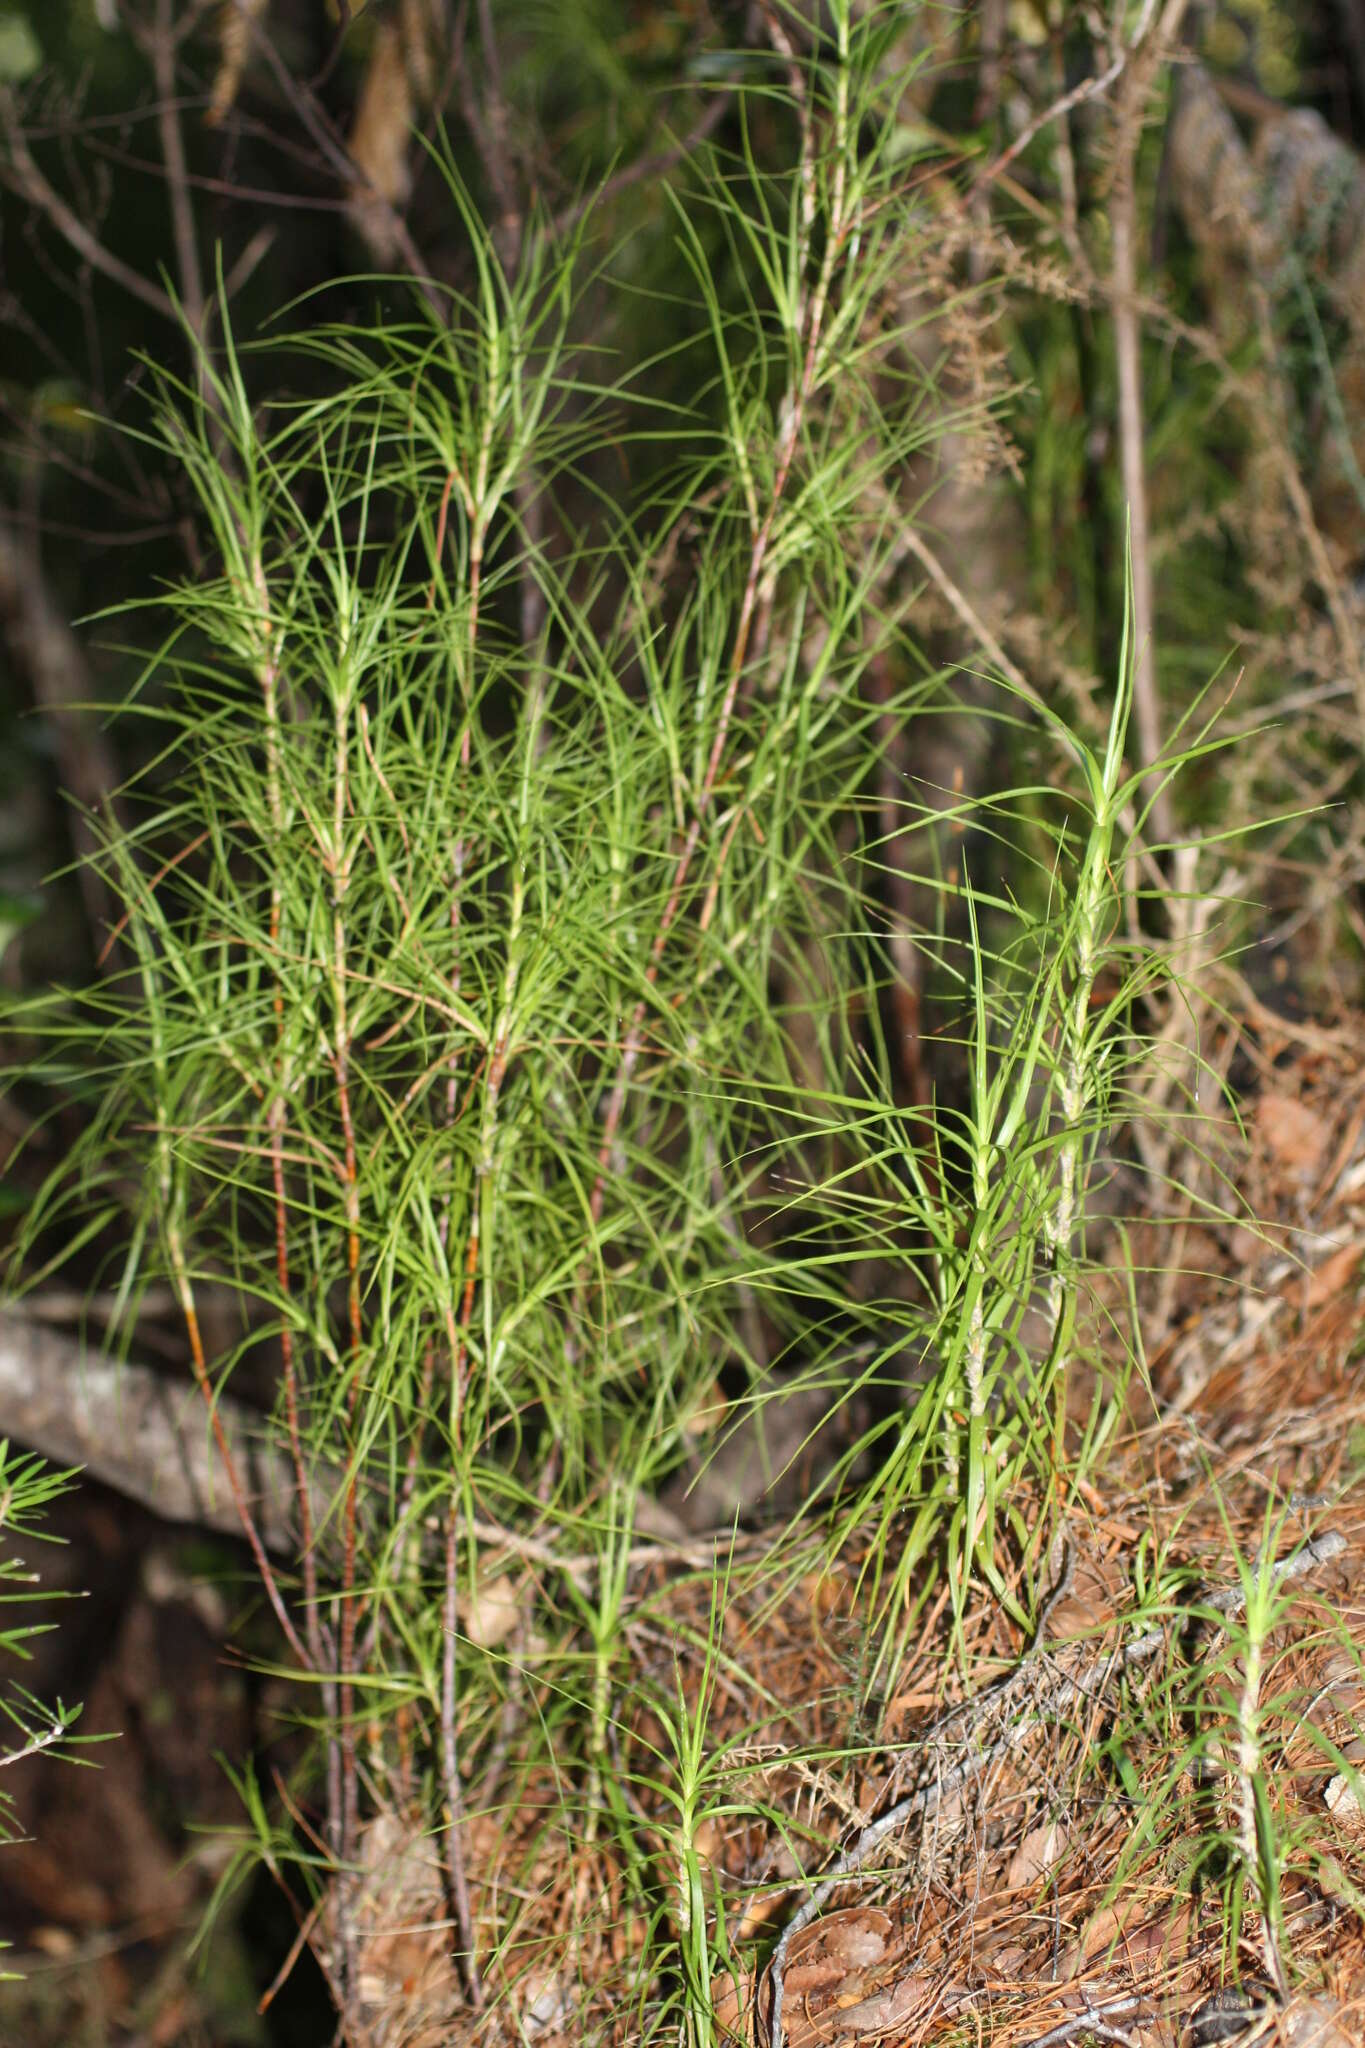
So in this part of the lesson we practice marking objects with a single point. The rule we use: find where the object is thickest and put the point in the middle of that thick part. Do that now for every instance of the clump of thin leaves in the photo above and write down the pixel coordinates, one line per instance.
(975, 1208)
(29, 1726)
(1223, 1757)
(495, 891)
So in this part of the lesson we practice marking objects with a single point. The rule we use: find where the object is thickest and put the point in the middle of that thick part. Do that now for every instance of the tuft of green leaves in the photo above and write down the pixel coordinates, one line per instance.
(28, 1487)
(493, 1011)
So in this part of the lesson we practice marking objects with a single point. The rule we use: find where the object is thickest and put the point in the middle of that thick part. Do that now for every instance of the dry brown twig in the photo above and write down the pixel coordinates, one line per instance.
(1088, 89)
(23, 175)
(318, 125)
(160, 38)
(1094, 2021)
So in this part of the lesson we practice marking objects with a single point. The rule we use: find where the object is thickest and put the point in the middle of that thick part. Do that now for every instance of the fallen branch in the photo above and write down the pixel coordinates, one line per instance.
(139, 1432)
(143, 1433)
(1096, 2021)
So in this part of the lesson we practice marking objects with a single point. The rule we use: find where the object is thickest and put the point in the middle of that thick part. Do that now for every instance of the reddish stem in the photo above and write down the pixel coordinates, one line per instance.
(235, 1487)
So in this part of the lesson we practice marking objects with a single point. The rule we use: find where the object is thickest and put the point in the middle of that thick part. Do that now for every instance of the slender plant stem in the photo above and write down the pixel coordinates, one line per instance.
(1123, 225)
(755, 601)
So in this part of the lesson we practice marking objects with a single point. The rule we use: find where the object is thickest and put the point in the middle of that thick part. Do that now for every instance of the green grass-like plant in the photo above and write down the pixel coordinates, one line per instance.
(493, 1007)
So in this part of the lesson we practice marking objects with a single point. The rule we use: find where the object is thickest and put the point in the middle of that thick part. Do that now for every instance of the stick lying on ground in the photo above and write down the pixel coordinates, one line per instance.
(139, 1431)
(147, 1435)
